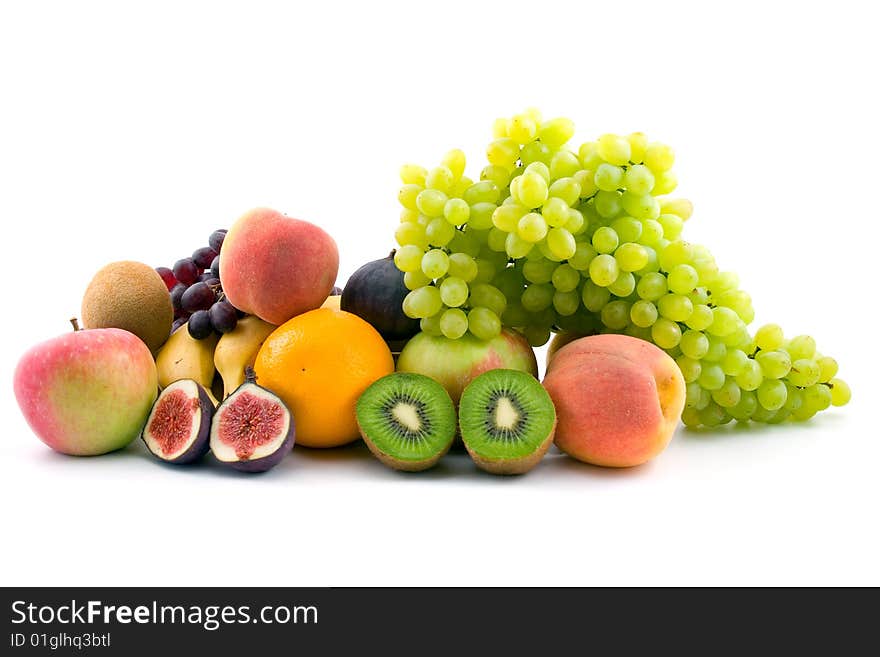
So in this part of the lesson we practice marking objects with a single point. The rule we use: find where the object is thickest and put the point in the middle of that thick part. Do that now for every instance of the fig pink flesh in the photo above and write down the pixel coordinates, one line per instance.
(250, 422)
(171, 425)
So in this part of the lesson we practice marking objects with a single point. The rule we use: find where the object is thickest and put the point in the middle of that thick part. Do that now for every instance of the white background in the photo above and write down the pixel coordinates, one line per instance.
(133, 133)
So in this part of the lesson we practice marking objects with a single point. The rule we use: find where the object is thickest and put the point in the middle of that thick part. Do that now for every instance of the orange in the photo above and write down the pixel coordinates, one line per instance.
(319, 363)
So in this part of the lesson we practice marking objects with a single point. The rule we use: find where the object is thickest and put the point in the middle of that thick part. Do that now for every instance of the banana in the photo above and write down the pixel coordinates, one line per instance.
(238, 349)
(332, 302)
(184, 357)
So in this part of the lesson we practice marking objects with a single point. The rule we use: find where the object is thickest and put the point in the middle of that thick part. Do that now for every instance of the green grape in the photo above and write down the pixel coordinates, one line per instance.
(690, 417)
(734, 362)
(728, 395)
(500, 176)
(712, 376)
(713, 415)
(522, 129)
(751, 376)
(430, 202)
(608, 177)
(652, 232)
(484, 191)
(794, 398)
(701, 318)
(638, 142)
(765, 415)
(724, 321)
(555, 211)
(506, 217)
(440, 178)
(772, 394)
(531, 190)
(409, 216)
(481, 216)
(605, 239)
(413, 174)
(586, 179)
(607, 204)
(455, 160)
(769, 337)
(483, 323)
(614, 149)
(431, 325)
(672, 225)
(827, 368)
(676, 253)
(536, 297)
(615, 314)
(576, 222)
(678, 206)
(516, 246)
(408, 194)
(510, 282)
(535, 151)
(566, 302)
(604, 270)
(465, 242)
(565, 278)
(537, 335)
(453, 323)
(422, 302)
(544, 251)
(532, 227)
(665, 333)
(690, 368)
(462, 266)
(676, 307)
(561, 243)
(639, 179)
(415, 279)
(411, 234)
(456, 211)
(409, 258)
(439, 232)
(503, 152)
(726, 280)
(488, 296)
(643, 313)
(588, 154)
(564, 163)
(653, 265)
(694, 344)
(628, 229)
(640, 206)
(659, 157)
(435, 263)
(461, 186)
(699, 296)
(801, 346)
(664, 183)
(623, 285)
(745, 407)
(556, 132)
(651, 286)
(706, 268)
(515, 315)
(583, 256)
(840, 392)
(683, 279)
(566, 188)
(804, 372)
(775, 364)
(539, 168)
(717, 350)
(497, 240)
(453, 291)
(539, 271)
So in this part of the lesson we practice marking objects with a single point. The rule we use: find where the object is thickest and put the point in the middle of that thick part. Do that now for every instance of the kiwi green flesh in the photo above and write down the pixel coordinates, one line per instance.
(506, 415)
(407, 420)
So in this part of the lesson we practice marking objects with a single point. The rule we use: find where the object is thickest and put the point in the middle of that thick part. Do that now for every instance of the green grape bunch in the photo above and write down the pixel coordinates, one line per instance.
(587, 241)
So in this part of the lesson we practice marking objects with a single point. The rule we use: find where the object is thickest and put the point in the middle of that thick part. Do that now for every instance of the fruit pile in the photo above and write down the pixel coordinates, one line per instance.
(585, 241)
(247, 346)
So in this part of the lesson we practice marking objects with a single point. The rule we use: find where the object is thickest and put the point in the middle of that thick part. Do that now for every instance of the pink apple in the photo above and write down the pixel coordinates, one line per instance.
(87, 392)
(454, 363)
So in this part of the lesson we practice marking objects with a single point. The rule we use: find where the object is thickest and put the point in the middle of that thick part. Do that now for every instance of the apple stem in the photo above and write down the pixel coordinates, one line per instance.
(75, 324)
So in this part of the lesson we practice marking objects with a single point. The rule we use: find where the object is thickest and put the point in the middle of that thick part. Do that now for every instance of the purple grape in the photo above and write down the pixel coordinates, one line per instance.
(223, 316)
(198, 296)
(176, 294)
(209, 279)
(216, 239)
(215, 267)
(167, 277)
(186, 271)
(199, 325)
(177, 323)
(203, 257)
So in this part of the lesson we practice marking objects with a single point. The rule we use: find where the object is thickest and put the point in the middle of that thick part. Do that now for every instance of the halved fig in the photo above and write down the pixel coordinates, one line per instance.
(179, 424)
(252, 429)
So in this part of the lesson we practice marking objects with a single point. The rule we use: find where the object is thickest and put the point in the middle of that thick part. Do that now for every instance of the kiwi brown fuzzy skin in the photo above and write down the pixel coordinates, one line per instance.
(513, 466)
(401, 464)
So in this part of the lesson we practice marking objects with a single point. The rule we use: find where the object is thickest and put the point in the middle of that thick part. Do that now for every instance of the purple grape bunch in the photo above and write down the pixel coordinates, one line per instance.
(196, 292)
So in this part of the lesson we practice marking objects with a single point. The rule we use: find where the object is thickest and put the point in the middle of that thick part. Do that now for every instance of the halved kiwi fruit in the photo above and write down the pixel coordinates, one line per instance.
(407, 420)
(507, 421)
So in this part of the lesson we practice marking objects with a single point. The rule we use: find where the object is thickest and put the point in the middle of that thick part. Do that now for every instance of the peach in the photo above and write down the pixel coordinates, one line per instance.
(618, 399)
(277, 267)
